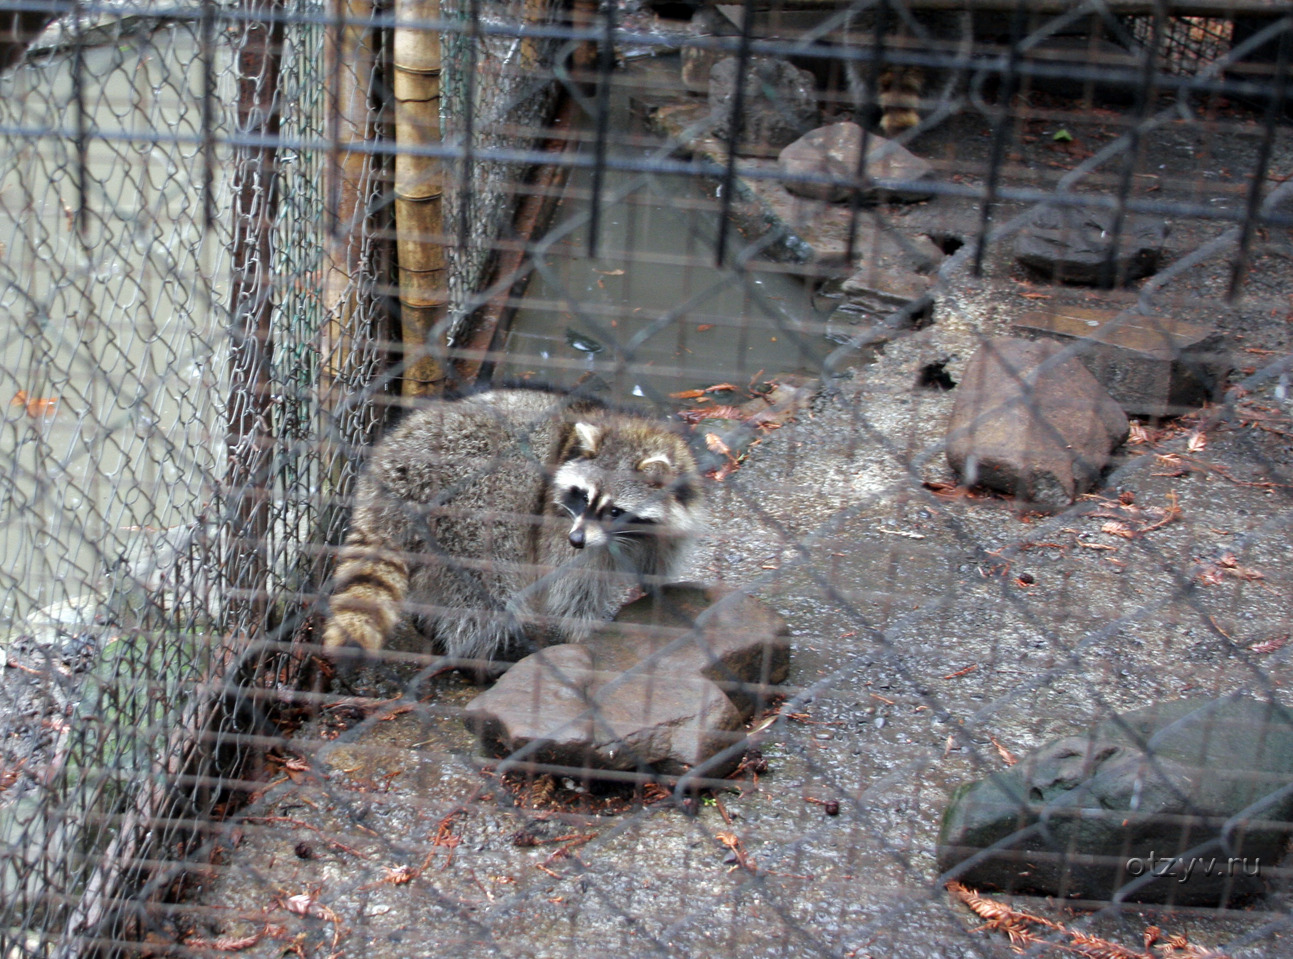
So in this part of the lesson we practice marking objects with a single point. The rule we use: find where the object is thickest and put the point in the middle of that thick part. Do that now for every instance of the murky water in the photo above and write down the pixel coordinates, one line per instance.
(652, 313)
(111, 362)
(108, 363)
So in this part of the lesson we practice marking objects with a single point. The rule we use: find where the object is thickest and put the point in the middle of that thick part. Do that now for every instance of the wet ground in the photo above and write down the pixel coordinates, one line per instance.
(935, 632)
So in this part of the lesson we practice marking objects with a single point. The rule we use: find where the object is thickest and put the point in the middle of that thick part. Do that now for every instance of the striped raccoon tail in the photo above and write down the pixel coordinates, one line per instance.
(899, 98)
(368, 593)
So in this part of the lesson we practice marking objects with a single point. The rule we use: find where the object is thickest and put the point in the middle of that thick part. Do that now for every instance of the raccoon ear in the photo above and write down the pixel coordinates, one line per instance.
(659, 469)
(588, 438)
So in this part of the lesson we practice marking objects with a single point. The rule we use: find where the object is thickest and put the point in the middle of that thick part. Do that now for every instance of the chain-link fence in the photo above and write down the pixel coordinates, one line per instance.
(915, 397)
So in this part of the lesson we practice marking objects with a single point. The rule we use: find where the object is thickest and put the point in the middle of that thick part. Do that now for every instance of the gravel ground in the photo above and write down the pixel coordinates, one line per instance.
(934, 630)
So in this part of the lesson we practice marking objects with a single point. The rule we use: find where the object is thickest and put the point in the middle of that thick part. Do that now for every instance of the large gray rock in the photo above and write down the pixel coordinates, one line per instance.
(779, 103)
(664, 688)
(1078, 245)
(823, 165)
(1153, 366)
(1188, 802)
(1030, 425)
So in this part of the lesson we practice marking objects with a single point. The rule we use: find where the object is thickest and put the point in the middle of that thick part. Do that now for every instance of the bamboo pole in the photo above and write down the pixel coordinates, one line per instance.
(419, 191)
(350, 60)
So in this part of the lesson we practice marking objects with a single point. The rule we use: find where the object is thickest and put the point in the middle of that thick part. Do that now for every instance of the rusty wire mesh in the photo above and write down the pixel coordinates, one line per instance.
(202, 339)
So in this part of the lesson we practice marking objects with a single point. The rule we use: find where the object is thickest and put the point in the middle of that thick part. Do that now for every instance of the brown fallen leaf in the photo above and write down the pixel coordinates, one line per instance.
(1006, 755)
(224, 943)
(716, 445)
(1212, 572)
(733, 842)
(35, 407)
(305, 904)
(1025, 930)
(1269, 645)
(699, 413)
(693, 394)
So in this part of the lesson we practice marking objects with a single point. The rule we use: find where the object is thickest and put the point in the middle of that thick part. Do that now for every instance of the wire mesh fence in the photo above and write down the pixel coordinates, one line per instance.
(865, 519)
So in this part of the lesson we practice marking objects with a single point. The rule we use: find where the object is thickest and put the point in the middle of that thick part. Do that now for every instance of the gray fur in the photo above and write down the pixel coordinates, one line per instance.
(458, 521)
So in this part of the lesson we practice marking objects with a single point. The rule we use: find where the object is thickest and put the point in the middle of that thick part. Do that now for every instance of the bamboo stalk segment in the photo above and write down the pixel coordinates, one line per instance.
(419, 191)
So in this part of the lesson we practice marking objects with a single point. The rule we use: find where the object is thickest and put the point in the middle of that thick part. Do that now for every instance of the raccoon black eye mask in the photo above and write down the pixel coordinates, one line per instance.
(511, 519)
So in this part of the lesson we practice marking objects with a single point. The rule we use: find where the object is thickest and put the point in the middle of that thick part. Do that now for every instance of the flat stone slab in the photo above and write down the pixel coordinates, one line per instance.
(1030, 425)
(664, 688)
(891, 289)
(1078, 245)
(1154, 366)
(1187, 802)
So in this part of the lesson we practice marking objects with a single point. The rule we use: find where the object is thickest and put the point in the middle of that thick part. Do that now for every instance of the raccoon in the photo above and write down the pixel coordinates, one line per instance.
(901, 89)
(509, 520)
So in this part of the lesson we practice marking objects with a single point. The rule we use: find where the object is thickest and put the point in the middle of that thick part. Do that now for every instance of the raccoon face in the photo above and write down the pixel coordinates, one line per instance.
(599, 515)
(618, 494)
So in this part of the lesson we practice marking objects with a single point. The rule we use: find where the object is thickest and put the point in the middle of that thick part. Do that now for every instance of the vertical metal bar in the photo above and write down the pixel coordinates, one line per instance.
(873, 84)
(80, 118)
(734, 134)
(1000, 134)
(1252, 209)
(208, 113)
(605, 66)
(337, 57)
(474, 39)
(1144, 100)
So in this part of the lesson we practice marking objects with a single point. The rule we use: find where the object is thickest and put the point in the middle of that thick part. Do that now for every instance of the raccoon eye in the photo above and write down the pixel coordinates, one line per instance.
(575, 501)
(616, 512)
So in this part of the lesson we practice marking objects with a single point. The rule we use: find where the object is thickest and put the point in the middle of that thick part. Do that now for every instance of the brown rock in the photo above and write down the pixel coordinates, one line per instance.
(1027, 424)
(823, 165)
(1153, 366)
(665, 687)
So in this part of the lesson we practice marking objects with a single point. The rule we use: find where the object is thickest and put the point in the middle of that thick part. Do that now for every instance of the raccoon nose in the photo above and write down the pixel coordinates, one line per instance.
(577, 537)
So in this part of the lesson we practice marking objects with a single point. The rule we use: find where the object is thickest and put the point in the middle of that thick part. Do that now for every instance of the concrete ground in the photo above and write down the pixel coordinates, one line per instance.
(934, 631)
